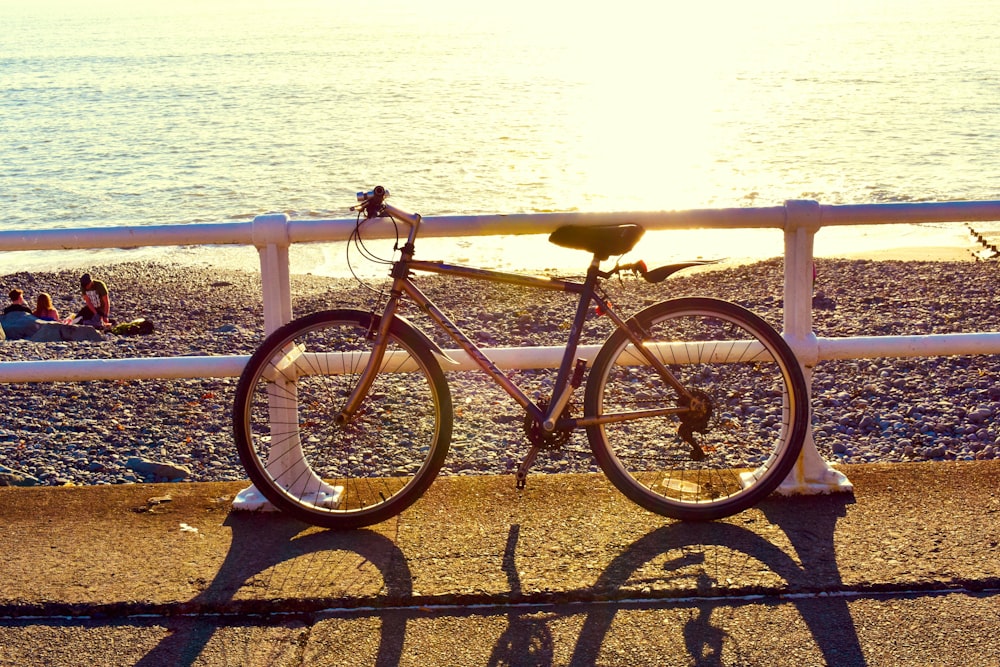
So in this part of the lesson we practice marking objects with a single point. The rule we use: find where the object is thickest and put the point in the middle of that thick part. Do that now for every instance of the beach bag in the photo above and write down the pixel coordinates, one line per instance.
(137, 327)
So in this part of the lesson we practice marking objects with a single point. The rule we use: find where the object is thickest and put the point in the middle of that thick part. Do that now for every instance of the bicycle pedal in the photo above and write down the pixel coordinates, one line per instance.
(522, 470)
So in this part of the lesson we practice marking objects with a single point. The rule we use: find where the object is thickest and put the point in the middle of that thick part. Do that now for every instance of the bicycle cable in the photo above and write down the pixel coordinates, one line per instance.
(359, 243)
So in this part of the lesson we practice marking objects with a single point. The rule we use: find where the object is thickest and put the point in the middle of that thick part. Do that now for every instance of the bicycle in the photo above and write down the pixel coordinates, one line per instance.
(695, 408)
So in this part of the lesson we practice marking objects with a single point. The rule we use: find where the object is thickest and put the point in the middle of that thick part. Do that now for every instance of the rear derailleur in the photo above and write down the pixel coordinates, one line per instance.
(695, 420)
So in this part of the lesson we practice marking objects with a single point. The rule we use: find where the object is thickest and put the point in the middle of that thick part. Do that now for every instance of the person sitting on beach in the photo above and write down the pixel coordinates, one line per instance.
(97, 308)
(44, 309)
(16, 303)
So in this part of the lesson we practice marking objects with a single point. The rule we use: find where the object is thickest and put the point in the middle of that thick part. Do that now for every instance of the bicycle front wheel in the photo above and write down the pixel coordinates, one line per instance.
(727, 446)
(341, 475)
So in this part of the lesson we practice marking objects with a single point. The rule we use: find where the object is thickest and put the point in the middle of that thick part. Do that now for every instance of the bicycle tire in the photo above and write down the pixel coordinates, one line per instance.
(750, 437)
(329, 474)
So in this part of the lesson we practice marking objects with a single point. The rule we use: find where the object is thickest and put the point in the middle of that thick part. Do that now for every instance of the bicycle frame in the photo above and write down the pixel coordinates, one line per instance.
(705, 453)
(570, 368)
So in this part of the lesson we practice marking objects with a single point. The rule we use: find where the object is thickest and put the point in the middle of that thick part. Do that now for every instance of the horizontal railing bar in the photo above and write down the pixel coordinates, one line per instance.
(877, 214)
(932, 345)
(163, 368)
(325, 230)
(304, 231)
(227, 233)
(523, 358)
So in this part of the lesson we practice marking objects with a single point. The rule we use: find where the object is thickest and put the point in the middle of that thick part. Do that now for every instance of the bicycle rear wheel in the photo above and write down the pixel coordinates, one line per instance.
(341, 475)
(751, 419)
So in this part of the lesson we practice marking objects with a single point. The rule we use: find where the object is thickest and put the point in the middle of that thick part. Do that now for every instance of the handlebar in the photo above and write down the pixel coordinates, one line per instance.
(374, 206)
(378, 192)
(372, 202)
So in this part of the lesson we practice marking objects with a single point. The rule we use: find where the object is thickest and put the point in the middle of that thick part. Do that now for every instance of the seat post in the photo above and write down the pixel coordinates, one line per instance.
(593, 270)
(562, 389)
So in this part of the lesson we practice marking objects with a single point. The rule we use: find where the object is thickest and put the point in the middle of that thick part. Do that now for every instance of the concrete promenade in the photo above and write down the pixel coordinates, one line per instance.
(905, 571)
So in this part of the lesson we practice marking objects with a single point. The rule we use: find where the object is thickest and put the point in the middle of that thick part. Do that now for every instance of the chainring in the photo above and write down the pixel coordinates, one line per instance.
(543, 439)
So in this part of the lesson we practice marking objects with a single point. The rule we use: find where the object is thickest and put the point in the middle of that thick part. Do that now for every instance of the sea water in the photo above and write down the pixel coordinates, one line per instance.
(147, 113)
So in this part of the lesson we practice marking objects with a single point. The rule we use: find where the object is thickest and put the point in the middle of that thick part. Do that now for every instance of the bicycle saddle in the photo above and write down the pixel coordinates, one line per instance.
(603, 241)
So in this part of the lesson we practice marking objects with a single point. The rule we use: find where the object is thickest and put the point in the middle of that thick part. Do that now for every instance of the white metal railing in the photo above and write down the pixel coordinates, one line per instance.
(273, 234)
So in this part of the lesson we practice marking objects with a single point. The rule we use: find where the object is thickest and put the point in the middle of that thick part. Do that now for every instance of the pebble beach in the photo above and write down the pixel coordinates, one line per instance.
(865, 410)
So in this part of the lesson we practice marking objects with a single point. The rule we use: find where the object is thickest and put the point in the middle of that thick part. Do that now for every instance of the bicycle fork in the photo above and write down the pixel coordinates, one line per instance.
(380, 333)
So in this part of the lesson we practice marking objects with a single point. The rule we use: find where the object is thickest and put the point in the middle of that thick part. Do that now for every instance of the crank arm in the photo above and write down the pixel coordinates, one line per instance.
(522, 470)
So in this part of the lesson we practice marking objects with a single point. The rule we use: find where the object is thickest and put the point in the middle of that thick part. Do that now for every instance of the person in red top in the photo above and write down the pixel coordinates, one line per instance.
(97, 309)
(44, 309)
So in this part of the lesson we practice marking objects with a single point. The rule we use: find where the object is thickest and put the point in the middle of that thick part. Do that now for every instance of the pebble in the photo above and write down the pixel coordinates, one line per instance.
(865, 410)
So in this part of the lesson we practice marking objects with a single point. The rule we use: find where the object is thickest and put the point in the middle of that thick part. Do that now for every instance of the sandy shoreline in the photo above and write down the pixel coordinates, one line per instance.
(936, 253)
(910, 254)
(865, 410)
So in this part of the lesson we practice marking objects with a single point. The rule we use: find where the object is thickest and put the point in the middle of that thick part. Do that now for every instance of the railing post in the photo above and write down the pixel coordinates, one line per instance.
(270, 237)
(811, 474)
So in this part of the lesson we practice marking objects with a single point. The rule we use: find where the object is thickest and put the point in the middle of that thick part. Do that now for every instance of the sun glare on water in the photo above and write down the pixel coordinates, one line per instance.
(216, 110)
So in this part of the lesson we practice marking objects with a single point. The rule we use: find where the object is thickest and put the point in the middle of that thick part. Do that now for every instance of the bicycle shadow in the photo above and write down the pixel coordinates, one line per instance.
(263, 541)
(809, 524)
(527, 638)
